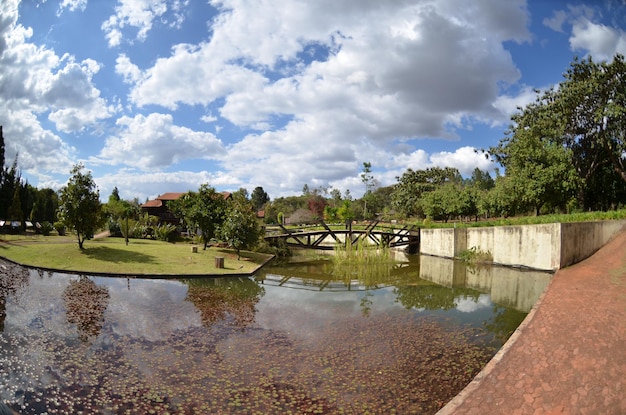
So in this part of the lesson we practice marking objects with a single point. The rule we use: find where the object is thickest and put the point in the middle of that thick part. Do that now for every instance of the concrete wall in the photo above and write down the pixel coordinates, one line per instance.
(543, 247)
(581, 240)
(533, 246)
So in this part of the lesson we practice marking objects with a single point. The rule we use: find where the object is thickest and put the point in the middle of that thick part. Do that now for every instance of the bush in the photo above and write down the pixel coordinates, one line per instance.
(60, 228)
(114, 227)
(46, 228)
(164, 232)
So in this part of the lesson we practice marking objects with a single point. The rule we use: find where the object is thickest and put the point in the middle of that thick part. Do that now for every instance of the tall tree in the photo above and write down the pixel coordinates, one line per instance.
(259, 198)
(80, 208)
(370, 183)
(587, 114)
(539, 167)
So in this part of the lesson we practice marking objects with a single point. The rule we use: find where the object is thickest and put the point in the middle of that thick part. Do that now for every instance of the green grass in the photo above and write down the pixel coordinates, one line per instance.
(532, 220)
(112, 256)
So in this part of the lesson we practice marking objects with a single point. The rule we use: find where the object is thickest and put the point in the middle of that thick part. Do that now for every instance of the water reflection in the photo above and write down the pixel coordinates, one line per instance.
(511, 287)
(307, 337)
(232, 299)
(85, 304)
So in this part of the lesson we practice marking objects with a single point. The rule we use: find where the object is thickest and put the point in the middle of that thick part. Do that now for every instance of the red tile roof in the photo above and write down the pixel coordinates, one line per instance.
(152, 204)
(170, 196)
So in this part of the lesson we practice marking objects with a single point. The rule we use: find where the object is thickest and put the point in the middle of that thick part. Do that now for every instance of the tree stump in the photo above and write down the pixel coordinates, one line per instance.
(219, 262)
(194, 249)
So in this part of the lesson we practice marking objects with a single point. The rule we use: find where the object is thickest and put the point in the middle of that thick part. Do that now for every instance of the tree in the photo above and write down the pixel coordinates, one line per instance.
(204, 210)
(539, 166)
(240, 228)
(370, 184)
(11, 178)
(413, 183)
(80, 208)
(591, 104)
(259, 198)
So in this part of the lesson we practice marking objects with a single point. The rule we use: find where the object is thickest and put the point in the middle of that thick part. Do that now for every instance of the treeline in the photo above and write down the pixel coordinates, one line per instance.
(21, 202)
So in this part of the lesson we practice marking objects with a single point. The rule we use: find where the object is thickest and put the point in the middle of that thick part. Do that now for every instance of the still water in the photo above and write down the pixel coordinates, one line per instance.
(305, 337)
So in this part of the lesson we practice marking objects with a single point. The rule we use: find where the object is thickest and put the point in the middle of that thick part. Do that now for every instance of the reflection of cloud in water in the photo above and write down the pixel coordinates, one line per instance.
(152, 309)
(467, 304)
(302, 312)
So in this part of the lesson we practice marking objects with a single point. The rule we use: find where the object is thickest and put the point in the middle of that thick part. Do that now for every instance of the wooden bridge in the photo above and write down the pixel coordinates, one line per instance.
(323, 237)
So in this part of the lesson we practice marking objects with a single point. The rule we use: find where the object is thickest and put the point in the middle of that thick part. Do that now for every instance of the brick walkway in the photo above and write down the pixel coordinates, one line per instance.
(569, 355)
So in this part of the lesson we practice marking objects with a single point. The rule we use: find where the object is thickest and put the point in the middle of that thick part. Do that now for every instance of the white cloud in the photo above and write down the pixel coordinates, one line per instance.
(33, 81)
(465, 159)
(140, 14)
(435, 63)
(154, 142)
(507, 105)
(467, 304)
(587, 34)
(601, 41)
(127, 69)
(148, 185)
(72, 5)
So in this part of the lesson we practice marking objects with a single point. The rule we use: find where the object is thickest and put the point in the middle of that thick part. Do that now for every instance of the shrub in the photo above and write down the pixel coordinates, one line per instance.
(164, 232)
(60, 228)
(114, 227)
(46, 228)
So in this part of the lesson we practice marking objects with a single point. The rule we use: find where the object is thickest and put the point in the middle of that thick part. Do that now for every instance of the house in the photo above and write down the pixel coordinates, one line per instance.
(159, 207)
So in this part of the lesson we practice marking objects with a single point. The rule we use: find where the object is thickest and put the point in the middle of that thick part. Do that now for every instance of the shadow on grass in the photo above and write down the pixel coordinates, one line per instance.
(105, 253)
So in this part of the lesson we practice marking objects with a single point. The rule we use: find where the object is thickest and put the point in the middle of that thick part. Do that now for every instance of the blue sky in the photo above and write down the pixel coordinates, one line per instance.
(156, 96)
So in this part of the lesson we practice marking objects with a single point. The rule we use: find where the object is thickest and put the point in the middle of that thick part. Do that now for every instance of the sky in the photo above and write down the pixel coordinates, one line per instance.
(156, 96)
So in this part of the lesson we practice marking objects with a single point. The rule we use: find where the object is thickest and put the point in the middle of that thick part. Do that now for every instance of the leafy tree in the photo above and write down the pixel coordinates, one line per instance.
(240, 228)
(259, 198)
(481, 180)
(591, 105)
(80, 208)
(204, 210)
(345, 211)
(539, 167)
(413, 183)
(242, 194)
(285, 205)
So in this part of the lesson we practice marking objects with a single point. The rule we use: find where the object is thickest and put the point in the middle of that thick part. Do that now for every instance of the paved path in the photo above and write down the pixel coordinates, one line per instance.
(569, 355)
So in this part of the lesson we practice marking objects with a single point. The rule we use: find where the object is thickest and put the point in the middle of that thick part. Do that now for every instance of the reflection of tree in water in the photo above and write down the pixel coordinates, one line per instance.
(431, 296)
(218, 298)
(12, 278)
(504, 322)
(86, 303)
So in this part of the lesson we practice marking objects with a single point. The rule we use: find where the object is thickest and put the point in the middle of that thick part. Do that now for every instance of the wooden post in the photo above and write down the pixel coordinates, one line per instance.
(219, 262)
(194, 249)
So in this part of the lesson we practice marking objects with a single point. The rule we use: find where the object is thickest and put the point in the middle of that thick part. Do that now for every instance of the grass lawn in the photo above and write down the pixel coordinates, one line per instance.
(111, 255)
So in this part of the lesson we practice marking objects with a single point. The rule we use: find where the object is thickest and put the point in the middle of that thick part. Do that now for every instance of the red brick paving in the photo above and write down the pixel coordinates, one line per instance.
(569, 355)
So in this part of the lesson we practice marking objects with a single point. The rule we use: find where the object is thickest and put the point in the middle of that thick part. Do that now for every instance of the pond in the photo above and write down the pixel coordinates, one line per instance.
(303, 338)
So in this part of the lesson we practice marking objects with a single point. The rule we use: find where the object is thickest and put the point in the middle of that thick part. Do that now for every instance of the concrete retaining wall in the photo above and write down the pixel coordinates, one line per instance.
(543, 247)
